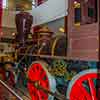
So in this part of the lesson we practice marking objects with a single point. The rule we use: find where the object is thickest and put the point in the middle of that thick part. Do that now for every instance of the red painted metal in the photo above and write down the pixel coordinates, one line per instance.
(39, 2)
(80, 92)
(1, 12)
(38, 74)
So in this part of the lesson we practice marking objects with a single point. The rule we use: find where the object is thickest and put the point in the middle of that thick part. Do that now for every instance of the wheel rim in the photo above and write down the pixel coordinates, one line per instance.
(82, 86)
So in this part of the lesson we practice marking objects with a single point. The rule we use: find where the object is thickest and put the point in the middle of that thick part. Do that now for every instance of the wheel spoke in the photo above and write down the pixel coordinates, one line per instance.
(85, 92)
(84, 85)
(39, 76)
(74, 98)
(92, 89)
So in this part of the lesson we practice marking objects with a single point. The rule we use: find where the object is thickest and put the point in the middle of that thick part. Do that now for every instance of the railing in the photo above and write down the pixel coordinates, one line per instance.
(7, 93)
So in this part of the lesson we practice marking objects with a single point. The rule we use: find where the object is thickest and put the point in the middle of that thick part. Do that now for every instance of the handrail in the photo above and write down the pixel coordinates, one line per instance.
(10, 90)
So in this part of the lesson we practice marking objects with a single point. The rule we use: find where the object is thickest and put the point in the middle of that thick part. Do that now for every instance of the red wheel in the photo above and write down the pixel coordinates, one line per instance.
(83, 86)
(39, 75)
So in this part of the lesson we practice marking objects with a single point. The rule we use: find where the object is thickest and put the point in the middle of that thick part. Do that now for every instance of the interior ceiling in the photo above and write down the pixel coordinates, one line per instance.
(27, 4)
(24, 4)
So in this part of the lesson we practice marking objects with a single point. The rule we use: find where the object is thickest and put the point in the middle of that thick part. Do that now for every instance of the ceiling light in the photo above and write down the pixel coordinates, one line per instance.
(13, 34)
(75, 2)
(61, 30)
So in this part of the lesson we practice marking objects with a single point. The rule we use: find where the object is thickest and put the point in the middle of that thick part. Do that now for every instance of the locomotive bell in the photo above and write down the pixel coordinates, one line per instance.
(44, 35)
(24, 22)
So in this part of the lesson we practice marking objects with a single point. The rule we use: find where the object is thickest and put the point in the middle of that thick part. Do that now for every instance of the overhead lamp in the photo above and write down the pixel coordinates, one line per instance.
(75, 2)
(61, 29)
(13, 34)
(1, 33)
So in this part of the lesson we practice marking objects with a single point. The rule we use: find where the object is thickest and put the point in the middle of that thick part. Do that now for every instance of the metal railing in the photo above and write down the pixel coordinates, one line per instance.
(7, 93)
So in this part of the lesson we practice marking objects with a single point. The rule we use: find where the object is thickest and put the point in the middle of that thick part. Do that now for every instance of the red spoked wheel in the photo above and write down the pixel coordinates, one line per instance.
(83, 86)
(38, 74)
